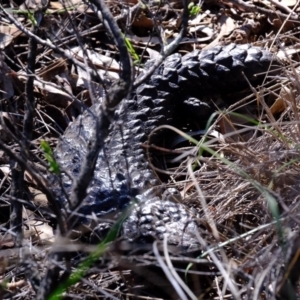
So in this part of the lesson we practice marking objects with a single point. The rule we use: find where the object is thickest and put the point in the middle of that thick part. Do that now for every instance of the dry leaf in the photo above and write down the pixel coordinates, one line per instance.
(6, 86)
(206, 30)
(151, 41)
(48, 72)
(97, 59)
(288, 52)
(281, 103)
(8, 125)
(5, 169)
(54, 89)
(6, 241)
(40, 232)
(39, 198)
(153, 54)
(228, 128)
(5, 40)
(35, 228)
(143, 22)
(57, 114)
(289, 3)
(76, 6)
(227, 26)
(104, 64)
(198, 19)
(34, 5)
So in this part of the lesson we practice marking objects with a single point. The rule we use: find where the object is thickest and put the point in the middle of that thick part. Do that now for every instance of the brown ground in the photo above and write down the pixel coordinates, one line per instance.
(245, 192)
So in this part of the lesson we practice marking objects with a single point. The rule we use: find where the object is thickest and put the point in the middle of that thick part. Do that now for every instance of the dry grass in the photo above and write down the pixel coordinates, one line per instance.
(246, 198)
(243, 192)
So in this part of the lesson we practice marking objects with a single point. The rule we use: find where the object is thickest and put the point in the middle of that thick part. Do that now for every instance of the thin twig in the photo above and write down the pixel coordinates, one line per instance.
(48, 43)
(246, 6)
(36, 175)
(167, 50)
(17, 188)
(105, 111)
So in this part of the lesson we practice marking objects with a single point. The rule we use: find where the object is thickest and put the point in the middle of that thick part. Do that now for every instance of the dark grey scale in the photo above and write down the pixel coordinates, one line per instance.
(266, 58)
(145, 101)
(134, 123)
(120, 177)
(160, 209)
(146, 210)
(213, 51)
(146, 111)
(238, 54)
(160, 102)
(126, 132)
(190, 65)
(209, 54)
(154, 103)
(228, 48)
(237, 65)
(138, 115)
(190, 70)
(137, 179)
(120, 181)
(161, 119)
(222, 76)
(207, 66)
(257, 63)
(162, 94)
(160, 223)
(173, 61)
(146, 229)
(159, 110)
(126, 135)
(133, 219)
(124, 201)
(206, 56)
(147, 90)
(139, 150)
(153, 181)
(165, 219)
(248, 71)
(172, 77)
(139, 157)
(182, 81)
(137, 165)
(160, 229)
(140, 137)
(254, 54)
(191, 57)
(175, 215)
(146, 219)
(150, 129)
(196, 108)
(137, 130)
(224, 60)
(217, 80)
(151, 123)
(118, 147)
(136, 146)
(161, 83)
(174, 86)
(130, 104)
(148, 175)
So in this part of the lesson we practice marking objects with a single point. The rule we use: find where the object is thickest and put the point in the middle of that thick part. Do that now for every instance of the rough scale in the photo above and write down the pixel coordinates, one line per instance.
(179, 84)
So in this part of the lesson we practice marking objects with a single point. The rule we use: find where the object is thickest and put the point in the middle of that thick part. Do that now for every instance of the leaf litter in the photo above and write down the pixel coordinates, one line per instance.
(250, 216)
